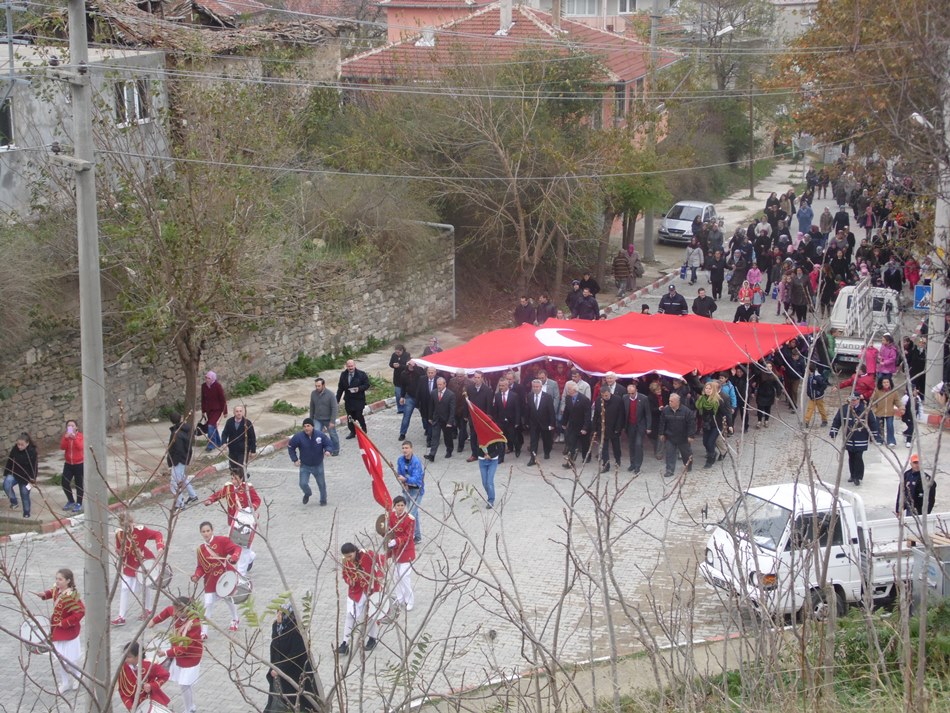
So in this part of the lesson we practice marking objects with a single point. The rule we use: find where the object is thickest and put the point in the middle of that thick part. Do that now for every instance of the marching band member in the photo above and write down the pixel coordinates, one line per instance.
(239, 495)
(140, 680)
(186, 650)
(363, 574)
(131, 544)
(402, 549)
(68, 611)
(216, 556)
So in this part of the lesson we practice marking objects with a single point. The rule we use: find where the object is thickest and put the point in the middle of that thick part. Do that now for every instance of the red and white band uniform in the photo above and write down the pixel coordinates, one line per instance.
(132, 683)
(214, 559)
(402, 549)
(238, 498)
(68, 612)
(184, 654)
(364, 577)
(133, 551)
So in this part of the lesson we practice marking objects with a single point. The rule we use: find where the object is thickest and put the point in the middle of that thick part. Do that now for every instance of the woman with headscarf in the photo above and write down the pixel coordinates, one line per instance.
(214, 405)
(291, 676)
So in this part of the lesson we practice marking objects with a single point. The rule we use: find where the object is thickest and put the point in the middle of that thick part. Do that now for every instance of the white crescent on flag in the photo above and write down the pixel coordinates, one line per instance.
(553, 338)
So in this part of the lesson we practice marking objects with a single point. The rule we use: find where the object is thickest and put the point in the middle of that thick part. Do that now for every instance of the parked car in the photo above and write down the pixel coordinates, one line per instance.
(677, 226)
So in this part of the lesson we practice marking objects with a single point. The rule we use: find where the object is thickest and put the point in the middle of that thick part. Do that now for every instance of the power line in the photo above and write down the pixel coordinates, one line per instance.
(461, 179)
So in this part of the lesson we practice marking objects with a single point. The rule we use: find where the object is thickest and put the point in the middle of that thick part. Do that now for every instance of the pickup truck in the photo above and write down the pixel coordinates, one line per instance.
(862, 314)
(770, 550)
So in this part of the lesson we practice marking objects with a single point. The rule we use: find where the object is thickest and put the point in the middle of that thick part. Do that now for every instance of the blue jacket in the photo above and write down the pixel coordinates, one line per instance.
(311, 448)
(412, 472)
(729, 390)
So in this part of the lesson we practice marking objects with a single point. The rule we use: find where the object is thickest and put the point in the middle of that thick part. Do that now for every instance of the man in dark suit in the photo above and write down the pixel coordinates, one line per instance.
(352, 389)
(442, 420)
(541, 419)
(506, 410)
(608, 425)
(424, 399)
(480, 394)
(636, 410)
(576, 423)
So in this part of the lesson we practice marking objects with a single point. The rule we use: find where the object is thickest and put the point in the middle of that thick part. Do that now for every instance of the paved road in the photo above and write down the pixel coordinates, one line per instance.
(487, 581)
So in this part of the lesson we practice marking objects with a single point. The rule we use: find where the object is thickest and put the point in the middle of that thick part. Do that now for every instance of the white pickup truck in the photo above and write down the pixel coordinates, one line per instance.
(771, 547)
(862, 314)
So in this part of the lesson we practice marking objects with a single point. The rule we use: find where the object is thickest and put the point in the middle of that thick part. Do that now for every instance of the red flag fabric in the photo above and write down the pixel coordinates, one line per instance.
(486, 429)
(374, 466)
(630, 346)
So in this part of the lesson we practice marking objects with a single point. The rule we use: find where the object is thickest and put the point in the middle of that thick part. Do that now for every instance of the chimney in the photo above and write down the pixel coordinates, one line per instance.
(504, 21)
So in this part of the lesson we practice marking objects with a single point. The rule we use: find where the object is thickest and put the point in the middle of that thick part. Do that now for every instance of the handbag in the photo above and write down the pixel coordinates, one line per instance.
(683, 272)
(201, 428)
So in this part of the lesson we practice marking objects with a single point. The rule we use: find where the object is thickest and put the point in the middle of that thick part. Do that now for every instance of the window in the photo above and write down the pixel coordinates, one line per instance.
(620, 103)
(803, 535)
(6, 124)
(582, 7)
(132, 102)
(626, 7)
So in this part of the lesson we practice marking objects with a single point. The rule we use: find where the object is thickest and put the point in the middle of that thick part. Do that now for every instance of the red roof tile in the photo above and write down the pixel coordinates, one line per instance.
(473, 39)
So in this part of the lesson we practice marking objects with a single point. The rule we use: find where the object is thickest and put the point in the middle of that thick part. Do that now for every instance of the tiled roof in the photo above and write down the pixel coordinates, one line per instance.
(473, 39)
(123, 24)
(333, 8)
(471, 4)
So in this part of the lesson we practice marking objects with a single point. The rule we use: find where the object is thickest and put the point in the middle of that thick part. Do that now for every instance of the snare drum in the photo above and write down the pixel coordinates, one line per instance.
(233, 585)
(150, 706)
(158, 575)
(242, 529)
(33, 634)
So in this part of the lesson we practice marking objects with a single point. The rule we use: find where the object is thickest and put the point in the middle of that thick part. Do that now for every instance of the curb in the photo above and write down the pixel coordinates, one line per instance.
(58, 523)
(637, 294)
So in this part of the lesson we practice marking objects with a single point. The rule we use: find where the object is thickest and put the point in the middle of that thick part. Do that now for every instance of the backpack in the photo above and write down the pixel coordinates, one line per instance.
(638, 269)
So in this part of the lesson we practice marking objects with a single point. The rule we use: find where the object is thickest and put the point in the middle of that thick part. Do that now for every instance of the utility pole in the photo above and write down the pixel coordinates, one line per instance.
(937, 327)
(97, 670)
(648, 236)
(751, 145)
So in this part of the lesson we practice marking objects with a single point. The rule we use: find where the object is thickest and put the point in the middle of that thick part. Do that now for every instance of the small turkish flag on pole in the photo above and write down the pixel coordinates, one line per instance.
(374, 466)
(487, 430)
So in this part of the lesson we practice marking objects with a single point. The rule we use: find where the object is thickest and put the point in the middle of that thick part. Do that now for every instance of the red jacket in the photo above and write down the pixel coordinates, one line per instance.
(128, 684)
(187, 648)
(863, 385)
(214, 559)
(403, 531)
(135, 551)
(213, 402)
(73, 448)
(364, 575)
(243, 496)
(68, 611)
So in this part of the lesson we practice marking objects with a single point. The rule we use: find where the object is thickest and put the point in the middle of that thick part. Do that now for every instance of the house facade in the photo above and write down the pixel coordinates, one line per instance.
(498, 32)
(130, 102)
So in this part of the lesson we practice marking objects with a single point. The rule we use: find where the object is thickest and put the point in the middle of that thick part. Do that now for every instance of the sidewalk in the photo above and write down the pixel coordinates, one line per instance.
(137, 455)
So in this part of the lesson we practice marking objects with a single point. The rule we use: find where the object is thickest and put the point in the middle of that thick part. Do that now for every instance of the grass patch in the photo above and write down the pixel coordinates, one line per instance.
(736, 207)
(305, 366)
(253, 384)
(285, 407)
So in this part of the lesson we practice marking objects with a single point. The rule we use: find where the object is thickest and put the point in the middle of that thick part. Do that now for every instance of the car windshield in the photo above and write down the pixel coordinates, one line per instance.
(684, 212)
(758, 520)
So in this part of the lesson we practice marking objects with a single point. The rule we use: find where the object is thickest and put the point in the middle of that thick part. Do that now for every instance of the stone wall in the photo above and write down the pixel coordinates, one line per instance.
(44, 378)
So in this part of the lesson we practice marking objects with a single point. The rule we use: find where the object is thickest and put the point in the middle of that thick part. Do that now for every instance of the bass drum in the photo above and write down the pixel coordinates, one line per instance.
(155, 649)
(232, 585)
(33, 633)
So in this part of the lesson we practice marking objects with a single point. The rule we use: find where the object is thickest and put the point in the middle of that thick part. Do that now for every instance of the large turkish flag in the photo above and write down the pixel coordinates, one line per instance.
(632, 345)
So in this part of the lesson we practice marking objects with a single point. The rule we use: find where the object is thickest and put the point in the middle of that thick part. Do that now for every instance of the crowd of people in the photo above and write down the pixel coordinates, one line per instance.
(801, 259)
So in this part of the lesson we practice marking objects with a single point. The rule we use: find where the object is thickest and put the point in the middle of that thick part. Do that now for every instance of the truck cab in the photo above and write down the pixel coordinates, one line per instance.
(861, 314)
(772, 546)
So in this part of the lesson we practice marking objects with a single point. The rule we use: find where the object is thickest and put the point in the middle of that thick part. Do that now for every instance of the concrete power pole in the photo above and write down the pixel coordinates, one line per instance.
(648, 235)
(937, 328)
(97, 667)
